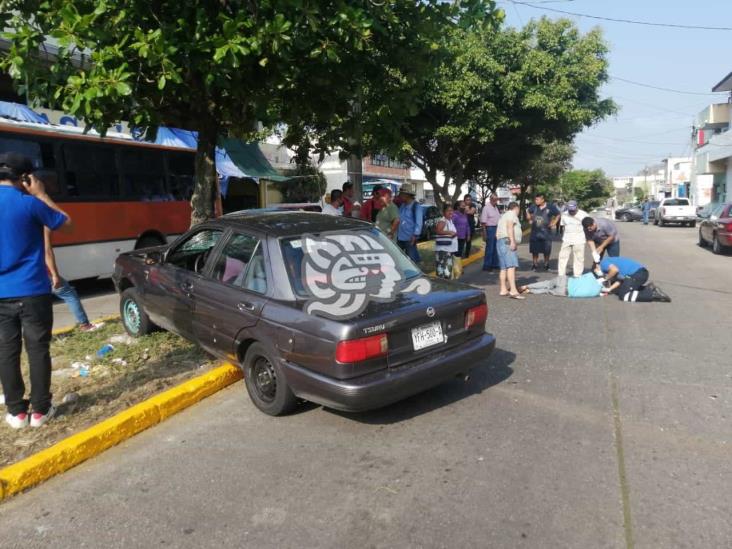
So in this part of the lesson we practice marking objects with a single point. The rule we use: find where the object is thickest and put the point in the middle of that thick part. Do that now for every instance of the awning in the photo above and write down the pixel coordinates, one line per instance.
(249, 157)
(234, 158)
(20, 113)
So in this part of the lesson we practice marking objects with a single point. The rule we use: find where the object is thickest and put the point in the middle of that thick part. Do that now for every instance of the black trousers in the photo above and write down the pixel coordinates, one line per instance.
(633, 283)
(29, 318)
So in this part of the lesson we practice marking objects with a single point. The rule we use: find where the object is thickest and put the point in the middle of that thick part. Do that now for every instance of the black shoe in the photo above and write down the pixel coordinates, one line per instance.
(534, 268)
(546, 266)
(660, 296)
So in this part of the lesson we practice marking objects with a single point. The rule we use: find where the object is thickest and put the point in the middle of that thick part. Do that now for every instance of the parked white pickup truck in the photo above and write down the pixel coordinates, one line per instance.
(675, 210)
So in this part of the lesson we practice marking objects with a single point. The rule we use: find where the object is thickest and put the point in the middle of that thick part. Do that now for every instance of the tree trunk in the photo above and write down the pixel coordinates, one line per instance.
(205, 190)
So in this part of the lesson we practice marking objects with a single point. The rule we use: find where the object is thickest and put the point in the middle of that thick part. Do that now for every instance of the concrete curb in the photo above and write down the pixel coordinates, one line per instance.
(76, 449)
(69, 329)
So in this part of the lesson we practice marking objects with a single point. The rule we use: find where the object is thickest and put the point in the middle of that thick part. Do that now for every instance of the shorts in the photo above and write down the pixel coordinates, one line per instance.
(540, 246)
(507, 258)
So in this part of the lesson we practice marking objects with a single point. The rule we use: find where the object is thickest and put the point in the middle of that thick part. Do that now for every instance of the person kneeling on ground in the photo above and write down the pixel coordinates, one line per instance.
(629, 280)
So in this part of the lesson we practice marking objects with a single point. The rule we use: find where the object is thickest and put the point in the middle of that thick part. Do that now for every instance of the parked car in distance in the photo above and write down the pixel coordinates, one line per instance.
(236, 286)
(675, 210)
(634, 212)
(715, 227)
(430, 216)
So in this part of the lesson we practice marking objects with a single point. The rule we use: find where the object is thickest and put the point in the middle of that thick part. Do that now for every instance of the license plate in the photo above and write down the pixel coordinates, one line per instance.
(427, 335)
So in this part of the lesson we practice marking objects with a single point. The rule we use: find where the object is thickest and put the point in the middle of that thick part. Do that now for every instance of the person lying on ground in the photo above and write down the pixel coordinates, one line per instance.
(586, 285)
(629, 280)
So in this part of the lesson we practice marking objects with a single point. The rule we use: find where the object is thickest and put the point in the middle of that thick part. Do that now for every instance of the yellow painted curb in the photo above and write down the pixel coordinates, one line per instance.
(76, 449)
(69, 329)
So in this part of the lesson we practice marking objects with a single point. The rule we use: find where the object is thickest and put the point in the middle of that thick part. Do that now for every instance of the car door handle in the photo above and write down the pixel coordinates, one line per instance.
(246, 306)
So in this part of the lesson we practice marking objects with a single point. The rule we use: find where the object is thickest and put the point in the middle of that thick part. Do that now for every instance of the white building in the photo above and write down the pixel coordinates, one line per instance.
(676, 176)
(711, 169)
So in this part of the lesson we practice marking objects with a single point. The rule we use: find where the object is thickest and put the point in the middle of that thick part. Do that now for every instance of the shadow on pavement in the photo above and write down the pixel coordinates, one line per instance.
(492, 371)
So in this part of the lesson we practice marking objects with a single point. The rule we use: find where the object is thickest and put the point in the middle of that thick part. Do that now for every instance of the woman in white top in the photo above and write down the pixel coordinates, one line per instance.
(446, 243)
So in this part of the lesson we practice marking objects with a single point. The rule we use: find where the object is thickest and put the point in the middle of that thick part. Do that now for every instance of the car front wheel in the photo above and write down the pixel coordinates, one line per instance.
(626, 218)
(266, 383)
(134, 317)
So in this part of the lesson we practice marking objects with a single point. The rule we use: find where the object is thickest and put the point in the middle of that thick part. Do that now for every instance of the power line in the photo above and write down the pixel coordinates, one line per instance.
(617, 20)
(663, 89)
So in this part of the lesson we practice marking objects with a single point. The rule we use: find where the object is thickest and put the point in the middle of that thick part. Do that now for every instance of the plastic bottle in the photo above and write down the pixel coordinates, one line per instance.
(105, 350)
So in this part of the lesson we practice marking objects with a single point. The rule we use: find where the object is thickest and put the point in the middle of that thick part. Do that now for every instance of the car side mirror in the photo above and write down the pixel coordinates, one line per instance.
(155, 257)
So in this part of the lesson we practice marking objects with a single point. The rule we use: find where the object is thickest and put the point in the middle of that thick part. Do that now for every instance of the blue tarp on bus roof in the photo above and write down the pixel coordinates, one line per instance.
(20, 113)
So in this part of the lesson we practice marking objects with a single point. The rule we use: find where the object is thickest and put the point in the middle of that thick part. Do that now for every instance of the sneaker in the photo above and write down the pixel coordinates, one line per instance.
(38, 419)
(17, 421)
(88, 327)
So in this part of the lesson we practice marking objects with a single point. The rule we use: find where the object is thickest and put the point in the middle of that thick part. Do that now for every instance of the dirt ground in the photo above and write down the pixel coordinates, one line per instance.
(133, 371)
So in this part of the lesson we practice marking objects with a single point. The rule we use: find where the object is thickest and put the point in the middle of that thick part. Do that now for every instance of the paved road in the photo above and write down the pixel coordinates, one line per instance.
(595, 424)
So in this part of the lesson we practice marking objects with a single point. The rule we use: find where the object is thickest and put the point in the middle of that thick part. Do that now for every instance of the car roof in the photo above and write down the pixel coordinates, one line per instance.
(281, 223)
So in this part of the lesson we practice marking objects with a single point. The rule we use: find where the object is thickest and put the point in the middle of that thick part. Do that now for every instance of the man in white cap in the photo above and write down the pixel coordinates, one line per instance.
(573, 240)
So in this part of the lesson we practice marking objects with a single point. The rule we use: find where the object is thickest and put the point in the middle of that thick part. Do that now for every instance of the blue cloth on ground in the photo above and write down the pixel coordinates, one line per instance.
(584, 286)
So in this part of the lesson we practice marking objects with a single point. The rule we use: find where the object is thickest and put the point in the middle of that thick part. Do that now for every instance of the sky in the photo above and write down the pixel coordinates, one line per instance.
(651, 124)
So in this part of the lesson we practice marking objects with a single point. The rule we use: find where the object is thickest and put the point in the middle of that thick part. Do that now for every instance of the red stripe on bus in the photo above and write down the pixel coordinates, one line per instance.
(108, 221)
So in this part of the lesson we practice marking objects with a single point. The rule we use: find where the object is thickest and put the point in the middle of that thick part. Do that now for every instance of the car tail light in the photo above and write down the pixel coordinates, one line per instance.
(476, 316)
(358, 350)
(728, 227)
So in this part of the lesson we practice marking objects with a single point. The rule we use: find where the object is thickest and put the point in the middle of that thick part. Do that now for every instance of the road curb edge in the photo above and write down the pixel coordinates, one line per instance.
(86, 444)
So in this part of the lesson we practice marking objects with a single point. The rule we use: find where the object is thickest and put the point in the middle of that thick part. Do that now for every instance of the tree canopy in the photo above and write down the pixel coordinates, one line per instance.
(590, 188)
(223, 66)
(499, 94)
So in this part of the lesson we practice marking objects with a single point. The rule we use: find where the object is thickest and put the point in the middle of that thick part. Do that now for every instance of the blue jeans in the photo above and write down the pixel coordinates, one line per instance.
(410, 249)
(613, 250)
(645, 217)
(490, 259)
(71, 298)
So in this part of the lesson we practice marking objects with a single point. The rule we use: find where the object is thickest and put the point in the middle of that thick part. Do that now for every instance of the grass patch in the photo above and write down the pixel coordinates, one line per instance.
(134, 371)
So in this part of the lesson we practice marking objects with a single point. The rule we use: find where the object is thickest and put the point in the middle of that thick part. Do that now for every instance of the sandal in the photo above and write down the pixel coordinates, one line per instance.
(516, 296)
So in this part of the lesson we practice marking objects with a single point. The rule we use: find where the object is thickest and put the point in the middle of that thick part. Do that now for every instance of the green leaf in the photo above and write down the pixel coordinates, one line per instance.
(123, 88)
(161, 82)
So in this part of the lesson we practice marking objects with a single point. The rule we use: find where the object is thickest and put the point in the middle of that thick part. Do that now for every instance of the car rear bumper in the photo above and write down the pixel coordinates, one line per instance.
(678, 219)
(389, 385)
(725, 238)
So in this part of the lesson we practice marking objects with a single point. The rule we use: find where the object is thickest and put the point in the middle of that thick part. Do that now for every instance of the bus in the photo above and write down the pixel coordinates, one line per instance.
(121, 194)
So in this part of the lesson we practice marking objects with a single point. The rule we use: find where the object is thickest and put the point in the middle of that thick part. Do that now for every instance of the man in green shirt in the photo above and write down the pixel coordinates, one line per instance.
(388, 217)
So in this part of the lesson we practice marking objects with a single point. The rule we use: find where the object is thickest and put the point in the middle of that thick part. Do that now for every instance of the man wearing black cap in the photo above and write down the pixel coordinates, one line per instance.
(25, 289)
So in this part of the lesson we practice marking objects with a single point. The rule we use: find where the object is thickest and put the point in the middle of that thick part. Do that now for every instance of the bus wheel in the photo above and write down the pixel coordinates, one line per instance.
(134, 317)
(149, 241)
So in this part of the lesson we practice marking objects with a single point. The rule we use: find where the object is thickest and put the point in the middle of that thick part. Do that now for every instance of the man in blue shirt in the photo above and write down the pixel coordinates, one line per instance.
(25, 289)
(586, 285)
(410, 222)
(629, 280)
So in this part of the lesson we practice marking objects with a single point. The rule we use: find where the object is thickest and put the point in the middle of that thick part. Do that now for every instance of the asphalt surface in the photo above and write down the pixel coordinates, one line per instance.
(596, 423)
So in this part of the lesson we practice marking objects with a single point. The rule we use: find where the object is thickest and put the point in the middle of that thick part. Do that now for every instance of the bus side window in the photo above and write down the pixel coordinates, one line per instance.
(143, 175)
(181, 170)
(91, 171)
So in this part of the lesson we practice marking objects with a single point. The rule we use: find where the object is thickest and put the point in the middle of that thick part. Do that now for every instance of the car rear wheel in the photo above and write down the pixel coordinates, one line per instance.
(717, 247)
(692, 224)
(134, 317)
(266, 384)
(626, 217)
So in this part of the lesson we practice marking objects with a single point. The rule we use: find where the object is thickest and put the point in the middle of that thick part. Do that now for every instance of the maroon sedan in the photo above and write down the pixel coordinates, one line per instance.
(715, 228)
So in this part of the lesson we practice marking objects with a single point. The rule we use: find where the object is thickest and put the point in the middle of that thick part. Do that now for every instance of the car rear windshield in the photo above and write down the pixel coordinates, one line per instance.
(292, 253)
(676, 202)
